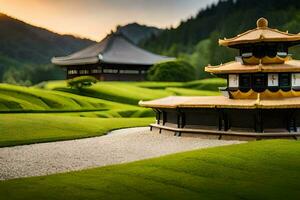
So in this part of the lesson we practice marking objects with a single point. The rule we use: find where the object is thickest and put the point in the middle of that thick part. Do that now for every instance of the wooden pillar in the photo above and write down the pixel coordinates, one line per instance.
(223, 120)
(158, 115)
(181, 122)
(291, 121)
(258, 121)
(164, 117)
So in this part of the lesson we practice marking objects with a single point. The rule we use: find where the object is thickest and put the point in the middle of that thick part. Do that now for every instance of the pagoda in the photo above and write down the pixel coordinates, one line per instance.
(115, 58)
(262, 97)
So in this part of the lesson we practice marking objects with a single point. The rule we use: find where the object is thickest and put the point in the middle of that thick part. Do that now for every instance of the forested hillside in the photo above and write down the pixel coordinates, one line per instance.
(196, 39)
(26, 50)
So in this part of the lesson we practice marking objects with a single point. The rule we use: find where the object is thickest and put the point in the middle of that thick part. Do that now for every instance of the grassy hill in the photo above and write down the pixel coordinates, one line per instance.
(51, 111)
(256, 170)
(132, 93)
(20, 129)
(56, 96)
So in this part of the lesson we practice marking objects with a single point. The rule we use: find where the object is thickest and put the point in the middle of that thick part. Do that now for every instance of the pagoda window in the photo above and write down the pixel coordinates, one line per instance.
(83, 71)
(96, 71)
(296, 81)
(282, 49)
(233, 81)
(285, 81)
(273, 82)
(244, 82)
(129, 71)
(259, 51)
(246, 51)
(259, 82)
(72, 71)
(110, 71)
(271, 50)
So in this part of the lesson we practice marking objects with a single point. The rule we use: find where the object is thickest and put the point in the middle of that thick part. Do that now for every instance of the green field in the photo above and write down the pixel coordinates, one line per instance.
(256, 170)
(17, 129)
(56, 96)
(132, 93)
(51, 111)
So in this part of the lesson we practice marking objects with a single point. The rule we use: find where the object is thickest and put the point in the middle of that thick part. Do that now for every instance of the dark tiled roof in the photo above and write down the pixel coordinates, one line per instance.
(114, 49)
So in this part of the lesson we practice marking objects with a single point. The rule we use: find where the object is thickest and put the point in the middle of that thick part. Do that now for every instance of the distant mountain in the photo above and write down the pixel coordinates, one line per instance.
(27, 43)
(137, 33)
(25, 50)
(196, 39)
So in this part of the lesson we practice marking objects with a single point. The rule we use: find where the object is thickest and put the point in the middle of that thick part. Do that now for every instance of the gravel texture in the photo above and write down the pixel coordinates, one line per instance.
(119, 146)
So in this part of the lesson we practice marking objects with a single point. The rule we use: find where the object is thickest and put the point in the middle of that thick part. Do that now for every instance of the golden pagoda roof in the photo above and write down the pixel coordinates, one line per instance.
(237, 67)
(260, 34)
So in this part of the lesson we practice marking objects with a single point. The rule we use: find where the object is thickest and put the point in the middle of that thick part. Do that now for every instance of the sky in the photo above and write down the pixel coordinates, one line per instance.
(94, 19)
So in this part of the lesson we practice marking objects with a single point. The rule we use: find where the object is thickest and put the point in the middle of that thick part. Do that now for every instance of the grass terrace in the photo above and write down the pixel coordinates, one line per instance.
(256, 170)
(51, 111)
(20, 129)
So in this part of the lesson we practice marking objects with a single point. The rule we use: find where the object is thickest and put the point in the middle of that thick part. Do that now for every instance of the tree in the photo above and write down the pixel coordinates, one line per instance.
(172, 71)
(81, 82)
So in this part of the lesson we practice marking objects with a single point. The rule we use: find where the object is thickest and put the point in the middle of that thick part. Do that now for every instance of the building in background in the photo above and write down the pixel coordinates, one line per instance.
(115, 58)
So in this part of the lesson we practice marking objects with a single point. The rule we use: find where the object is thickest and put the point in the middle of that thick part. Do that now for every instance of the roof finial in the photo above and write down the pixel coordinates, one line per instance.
(262, 23)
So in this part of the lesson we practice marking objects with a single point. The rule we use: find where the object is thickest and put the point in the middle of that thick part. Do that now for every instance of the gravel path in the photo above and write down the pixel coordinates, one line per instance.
(120, 146)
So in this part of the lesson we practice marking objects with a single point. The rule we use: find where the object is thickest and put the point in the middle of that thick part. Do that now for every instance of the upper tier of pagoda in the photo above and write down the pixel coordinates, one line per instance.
(263, 65)
(259, 46)
(259, 35)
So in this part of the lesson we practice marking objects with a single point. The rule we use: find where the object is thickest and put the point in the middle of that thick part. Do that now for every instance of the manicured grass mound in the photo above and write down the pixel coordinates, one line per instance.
(190, 92)
(118, 92)
(18, 97)
(24, 99)
(132, 93)
(256, 170)
(212, 84)
(158, 85)
(17, 129)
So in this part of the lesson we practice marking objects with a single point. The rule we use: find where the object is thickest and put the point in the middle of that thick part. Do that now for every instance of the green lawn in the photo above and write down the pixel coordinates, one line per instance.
(190, 92)
(133, 92)
(212, 84)
(51, 111)
(256, 170)
(17, 129)
(119, 92)
(55, 95)
(22, 98)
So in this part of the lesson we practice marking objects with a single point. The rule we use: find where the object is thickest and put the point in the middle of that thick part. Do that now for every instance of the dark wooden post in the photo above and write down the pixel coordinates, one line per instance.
(180, 121)
(258, 121)
(223, 120)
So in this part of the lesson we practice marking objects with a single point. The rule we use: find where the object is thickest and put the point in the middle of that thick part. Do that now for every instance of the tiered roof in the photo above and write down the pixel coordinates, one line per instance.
(238, 67)
(260, 34)
(114, 49)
